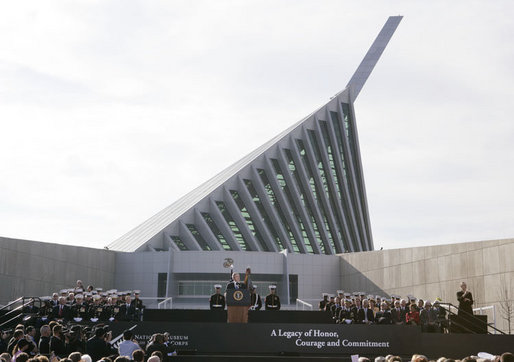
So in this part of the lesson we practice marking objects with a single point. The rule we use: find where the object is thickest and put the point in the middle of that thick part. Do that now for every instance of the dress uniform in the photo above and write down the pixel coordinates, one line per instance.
(217, 300)
(255, 299)
(272, 300)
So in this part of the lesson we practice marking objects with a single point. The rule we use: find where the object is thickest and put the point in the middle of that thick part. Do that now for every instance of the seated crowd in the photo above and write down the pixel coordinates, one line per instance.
(359, 308)
(87, 304)
(54, 342)
(482, 357)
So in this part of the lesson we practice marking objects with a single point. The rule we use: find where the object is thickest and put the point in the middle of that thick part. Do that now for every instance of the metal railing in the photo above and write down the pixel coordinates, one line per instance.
(301, 305)
(14, 310)
(166, 304)
(481, 312)
(452, 309)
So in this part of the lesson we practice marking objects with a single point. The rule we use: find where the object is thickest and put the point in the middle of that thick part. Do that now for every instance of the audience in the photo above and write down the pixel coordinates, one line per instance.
(357, 308)
(54, 342)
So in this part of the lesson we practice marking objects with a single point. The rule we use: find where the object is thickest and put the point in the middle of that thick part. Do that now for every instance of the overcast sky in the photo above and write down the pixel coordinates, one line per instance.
(112, 110)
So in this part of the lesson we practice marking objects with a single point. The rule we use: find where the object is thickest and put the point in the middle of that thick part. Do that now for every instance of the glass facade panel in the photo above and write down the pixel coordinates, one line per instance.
(212, 225)
(264, 214)
(273, 200)
(233, 226)
(292, 168)
(201, 241)
(248, 219)
(328, 144)
(316, 192)
(282, 182)
(178, 241)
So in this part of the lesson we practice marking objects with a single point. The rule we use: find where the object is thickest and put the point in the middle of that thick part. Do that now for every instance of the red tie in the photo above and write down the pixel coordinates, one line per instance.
(60, 310)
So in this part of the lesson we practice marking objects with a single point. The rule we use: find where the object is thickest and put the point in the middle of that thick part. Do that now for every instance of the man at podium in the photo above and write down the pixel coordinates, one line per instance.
(238, 298)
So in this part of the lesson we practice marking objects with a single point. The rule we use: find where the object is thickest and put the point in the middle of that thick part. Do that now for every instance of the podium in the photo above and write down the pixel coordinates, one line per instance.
(238, 303)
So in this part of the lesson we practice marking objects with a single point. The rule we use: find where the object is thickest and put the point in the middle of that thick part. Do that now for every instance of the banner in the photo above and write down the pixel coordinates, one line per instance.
(314, 339)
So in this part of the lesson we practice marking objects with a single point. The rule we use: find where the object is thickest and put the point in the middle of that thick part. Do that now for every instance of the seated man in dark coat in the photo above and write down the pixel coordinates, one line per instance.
(383, 316)
(365, 314)
(62, 310)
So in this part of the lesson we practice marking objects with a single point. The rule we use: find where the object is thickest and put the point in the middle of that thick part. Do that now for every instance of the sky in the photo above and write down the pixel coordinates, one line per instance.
(112, 110)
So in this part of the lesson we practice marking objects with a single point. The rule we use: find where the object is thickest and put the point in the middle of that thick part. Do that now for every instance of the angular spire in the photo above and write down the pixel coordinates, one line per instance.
(367, 65)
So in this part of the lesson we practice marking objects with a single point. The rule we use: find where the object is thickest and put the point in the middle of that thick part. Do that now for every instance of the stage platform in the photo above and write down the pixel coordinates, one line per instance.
(285, 335)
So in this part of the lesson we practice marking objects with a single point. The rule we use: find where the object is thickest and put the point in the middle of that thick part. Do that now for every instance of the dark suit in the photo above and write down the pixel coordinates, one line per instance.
(322, 304)
(61, 311)
(126, 312)
(234, 285)
(428, 319)
(98, 348)
(383, 317)
(58, 347)
(396, 316)
(362, 314)
(44, 345)
(465, 303)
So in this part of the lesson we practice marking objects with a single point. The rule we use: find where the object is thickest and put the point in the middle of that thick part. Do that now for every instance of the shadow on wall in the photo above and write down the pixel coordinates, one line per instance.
(353, 280)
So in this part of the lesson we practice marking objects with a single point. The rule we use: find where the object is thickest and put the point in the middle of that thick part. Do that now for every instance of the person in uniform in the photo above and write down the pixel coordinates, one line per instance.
(138, 305)
(79, 309)
(217, 300)
(322, 303)
(331, 302)
(347, 314)
(336, 309)
(255, 299)
(272, 301)
(96, 309)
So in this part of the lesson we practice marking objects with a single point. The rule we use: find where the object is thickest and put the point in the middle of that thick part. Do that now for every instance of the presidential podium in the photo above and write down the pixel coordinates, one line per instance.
(238, 302)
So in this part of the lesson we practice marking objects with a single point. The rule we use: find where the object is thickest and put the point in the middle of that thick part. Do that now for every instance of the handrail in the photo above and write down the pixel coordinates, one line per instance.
(469, 316)
(11, 303)
(164, 303)
(303, 304)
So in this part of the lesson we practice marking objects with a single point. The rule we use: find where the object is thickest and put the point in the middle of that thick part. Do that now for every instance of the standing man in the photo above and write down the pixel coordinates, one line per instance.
(138, 305)
(465, 301)
(217, 300)
(272, 300)
(255, 299)
(322, 303)
(237, 313)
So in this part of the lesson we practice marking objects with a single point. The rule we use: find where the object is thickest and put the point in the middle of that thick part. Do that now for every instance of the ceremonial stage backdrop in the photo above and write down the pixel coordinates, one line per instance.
(316, 339)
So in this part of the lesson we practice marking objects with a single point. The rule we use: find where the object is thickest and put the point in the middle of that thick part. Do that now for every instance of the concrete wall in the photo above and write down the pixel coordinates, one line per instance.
(316, 273)
(29, 268)
(436, 271)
